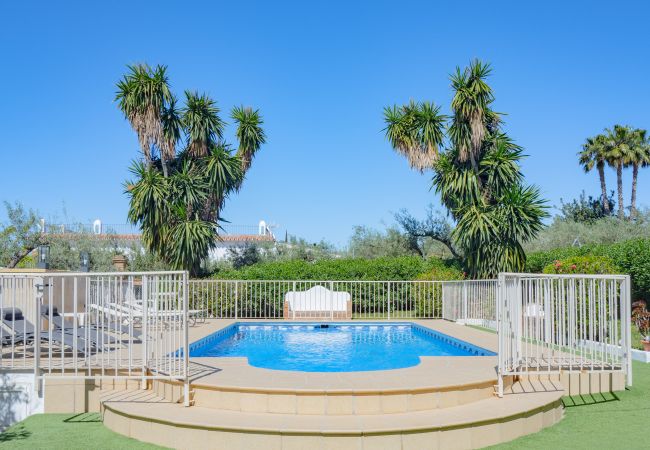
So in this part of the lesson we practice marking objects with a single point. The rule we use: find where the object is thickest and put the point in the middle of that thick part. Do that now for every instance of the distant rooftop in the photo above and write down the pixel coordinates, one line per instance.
(228, 232)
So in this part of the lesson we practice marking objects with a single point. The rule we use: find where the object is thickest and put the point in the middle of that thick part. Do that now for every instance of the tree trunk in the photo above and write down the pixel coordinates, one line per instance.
(603, 188)
(17, 257)
(635, 174)
(619, 181)
(164, 166)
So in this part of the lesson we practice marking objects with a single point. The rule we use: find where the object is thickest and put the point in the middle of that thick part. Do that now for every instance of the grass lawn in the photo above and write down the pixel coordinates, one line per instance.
(612, 421)
(66, 431)
(619, 421)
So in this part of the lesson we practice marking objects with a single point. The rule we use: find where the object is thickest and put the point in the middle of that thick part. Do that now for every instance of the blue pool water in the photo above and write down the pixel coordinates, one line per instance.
(331, 347)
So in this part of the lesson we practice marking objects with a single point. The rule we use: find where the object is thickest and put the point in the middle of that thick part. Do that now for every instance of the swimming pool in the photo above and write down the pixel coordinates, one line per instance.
(331, 347)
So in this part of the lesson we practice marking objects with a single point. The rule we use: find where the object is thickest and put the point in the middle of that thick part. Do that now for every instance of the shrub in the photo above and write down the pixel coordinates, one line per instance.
(583, 264)
(406, 298)
(630, 257)
(562, 233)
(400, 268)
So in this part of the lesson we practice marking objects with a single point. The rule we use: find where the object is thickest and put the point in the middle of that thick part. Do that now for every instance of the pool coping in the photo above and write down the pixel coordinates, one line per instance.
(434, 373)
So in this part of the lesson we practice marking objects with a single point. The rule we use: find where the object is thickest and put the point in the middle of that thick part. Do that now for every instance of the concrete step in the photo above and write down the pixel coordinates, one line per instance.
(482, 423)
(340, 401)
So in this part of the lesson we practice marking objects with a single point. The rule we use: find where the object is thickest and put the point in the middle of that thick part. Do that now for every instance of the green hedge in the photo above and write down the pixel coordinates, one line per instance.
(407, 299)
(401, 268)
(631, 257)
(590, 264)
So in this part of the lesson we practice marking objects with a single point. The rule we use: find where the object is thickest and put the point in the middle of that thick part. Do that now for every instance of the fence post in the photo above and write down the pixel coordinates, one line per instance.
(293, 312)
(236, 295)
(500, 337)
(389, 285)
(145, 326)
(464, 314)
(186, 343)
(626, 321)
(37, 337)
(331, 300)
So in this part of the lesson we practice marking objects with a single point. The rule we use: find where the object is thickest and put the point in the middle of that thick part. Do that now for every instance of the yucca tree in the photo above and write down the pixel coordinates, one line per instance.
(477, 176)
(202, 123)
(415, 130)
(176, 197)
(142, 96)
(249, 134)
(594, 155)
(638, 156)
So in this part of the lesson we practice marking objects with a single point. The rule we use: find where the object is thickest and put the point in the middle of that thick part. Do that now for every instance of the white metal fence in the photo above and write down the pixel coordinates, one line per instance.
(282, 299)
(136, 324)
(472, 302)
(563, 323)
(95, 324)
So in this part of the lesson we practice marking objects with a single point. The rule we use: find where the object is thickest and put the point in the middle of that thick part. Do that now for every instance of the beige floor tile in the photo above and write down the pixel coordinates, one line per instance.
(394, 403)
(485, 435)
(253, 402)
(423, 401)
(310, 404)
(342, 443)
(293, 442)
(459, 439)
(282, 403)
(421, 441)
(339, 404)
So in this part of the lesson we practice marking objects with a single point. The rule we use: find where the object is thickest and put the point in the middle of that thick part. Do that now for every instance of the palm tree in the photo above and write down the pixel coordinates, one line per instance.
(639, 156)
(477, 177)
(619, 141)
(593, 154)
(142, 96)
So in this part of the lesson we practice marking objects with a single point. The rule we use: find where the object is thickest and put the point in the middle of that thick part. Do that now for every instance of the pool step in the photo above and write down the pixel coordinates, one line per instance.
(327, 402)
(479, 424)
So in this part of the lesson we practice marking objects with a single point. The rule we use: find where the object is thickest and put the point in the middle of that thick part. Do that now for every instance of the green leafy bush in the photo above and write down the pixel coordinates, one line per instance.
(583, 264)
(630, 257)
(401, 268)
(406, 298)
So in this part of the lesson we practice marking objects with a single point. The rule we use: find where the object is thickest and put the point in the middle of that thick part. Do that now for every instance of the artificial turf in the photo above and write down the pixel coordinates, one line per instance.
(66, 431)
(613, 421)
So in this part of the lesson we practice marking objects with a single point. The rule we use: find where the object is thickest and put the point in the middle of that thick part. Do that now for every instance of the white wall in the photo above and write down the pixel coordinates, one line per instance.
(18, 398)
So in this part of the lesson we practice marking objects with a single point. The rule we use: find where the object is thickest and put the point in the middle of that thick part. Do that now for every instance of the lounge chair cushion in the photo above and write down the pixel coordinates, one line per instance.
(12, 314)
(45, 310)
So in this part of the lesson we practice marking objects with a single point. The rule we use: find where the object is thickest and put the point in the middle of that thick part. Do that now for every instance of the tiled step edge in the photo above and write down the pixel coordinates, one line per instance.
(487, 422)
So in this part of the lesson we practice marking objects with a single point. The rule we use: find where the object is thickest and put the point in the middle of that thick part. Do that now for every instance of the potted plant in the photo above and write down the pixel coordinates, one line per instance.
(641, 318)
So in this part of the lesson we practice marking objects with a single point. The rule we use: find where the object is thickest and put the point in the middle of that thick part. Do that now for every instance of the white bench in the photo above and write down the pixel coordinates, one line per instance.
(317, 303)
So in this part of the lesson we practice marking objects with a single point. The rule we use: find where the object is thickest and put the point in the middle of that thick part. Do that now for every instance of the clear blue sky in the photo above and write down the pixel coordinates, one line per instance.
(321, 74)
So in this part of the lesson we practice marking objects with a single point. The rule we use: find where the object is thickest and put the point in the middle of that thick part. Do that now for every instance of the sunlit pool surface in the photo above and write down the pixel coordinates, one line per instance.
(331, 347)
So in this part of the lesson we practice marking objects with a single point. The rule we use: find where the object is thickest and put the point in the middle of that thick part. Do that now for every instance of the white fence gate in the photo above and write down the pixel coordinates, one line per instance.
(549, 324)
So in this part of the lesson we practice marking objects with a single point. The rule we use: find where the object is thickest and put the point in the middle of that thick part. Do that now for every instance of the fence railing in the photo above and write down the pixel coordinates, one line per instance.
(282, 299)
(95, 324)
(550, 324)
(472, 302)
(136, 324)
